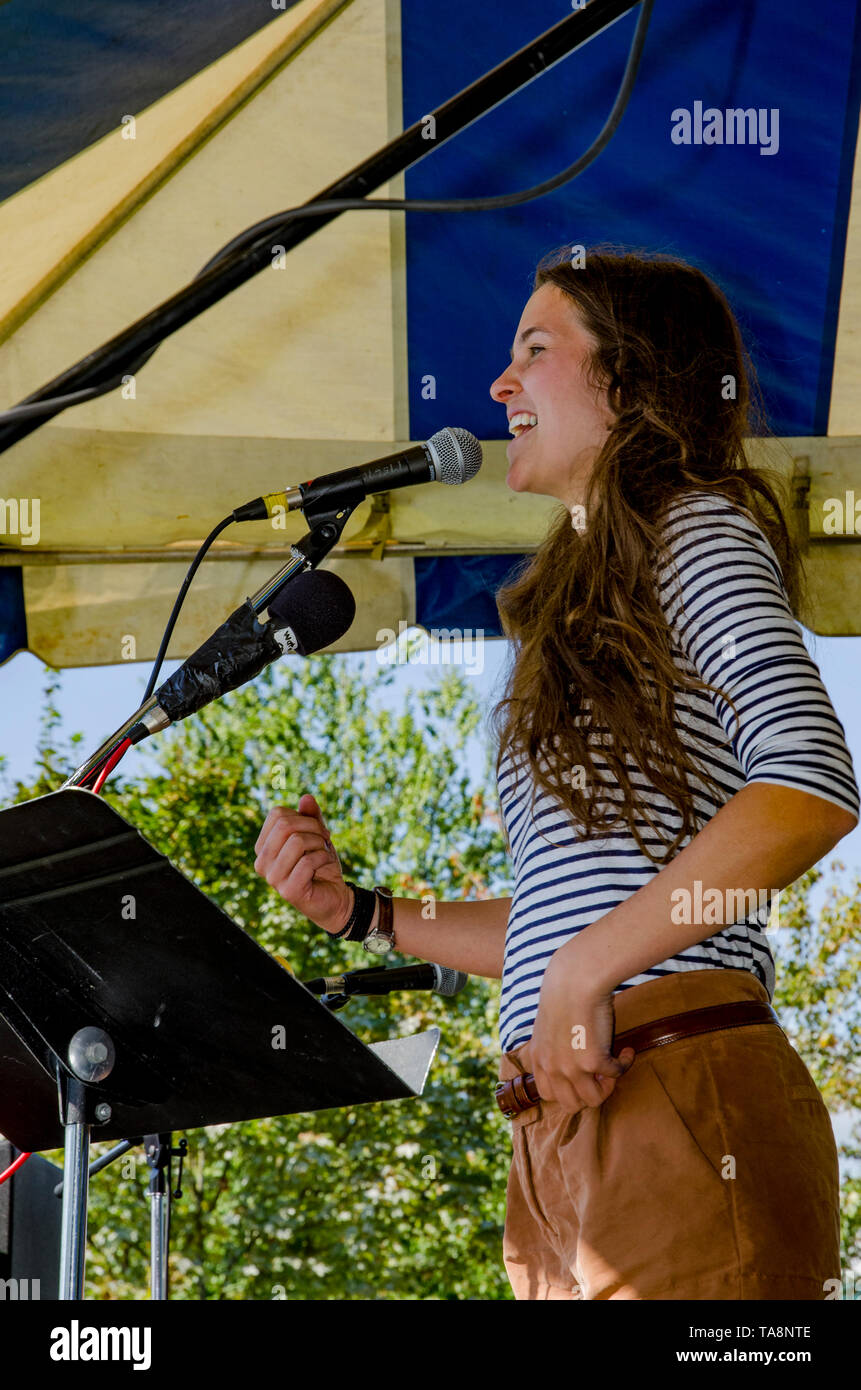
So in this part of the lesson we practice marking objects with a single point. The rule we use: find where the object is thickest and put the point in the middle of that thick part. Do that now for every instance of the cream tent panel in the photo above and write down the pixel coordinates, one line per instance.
(301, 371)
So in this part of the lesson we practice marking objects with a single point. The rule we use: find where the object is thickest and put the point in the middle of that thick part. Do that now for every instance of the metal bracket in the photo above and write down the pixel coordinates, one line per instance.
(377, 530)
(799, 485)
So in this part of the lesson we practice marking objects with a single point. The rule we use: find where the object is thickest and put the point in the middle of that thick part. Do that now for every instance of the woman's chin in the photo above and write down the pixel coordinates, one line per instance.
(517, 477)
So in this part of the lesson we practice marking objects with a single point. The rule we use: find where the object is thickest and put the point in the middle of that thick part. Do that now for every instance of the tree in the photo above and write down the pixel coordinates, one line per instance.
(402, 1200)
(818, 962)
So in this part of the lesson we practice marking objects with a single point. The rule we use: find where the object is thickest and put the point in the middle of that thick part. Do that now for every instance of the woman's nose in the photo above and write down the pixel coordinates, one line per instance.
(503, 385)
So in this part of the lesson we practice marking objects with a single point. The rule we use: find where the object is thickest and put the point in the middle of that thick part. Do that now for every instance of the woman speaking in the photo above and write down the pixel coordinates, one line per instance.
(668, 760)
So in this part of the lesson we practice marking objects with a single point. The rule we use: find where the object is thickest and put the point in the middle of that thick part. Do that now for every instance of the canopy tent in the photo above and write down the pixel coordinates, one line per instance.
(141, 139)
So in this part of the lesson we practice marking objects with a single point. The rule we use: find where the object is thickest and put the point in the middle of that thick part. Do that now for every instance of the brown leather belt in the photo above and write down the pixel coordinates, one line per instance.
(521, 1091)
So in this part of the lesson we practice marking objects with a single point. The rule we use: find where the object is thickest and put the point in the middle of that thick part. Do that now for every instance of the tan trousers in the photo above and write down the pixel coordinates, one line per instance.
(710, 1172)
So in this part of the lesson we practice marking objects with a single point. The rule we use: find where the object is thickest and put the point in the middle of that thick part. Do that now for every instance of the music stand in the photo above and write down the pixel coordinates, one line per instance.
(130, 997)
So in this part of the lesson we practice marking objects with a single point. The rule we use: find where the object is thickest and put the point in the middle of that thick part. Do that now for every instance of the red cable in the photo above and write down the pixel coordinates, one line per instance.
(13, 1167)
(111, 764)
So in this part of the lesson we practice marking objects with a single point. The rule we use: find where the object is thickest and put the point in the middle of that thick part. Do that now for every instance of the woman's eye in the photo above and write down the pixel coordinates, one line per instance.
(535, 347)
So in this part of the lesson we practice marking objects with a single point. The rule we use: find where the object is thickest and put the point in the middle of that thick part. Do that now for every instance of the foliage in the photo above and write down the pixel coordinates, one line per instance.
(818, 960)
(403, 1200)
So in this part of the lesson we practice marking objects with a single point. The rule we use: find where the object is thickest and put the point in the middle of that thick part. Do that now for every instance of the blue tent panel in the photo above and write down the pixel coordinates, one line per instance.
(457, 591)
(768, 224)
(13, 623)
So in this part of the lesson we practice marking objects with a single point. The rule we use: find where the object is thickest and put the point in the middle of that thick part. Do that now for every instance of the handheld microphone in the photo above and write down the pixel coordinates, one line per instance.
(450, 456)
(437, 978)
(309, 613)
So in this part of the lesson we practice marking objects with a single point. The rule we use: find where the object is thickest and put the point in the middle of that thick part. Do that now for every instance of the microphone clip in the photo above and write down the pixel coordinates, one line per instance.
(334, 1002)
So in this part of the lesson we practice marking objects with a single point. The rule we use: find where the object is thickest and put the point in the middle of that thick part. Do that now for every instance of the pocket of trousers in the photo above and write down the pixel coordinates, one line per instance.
(810, 1092)
(523, 1165)
(748, 1082)
(707, 1148)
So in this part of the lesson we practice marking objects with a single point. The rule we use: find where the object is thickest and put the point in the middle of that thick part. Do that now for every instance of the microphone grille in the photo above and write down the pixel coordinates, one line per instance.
(448, 981)
(456, 455)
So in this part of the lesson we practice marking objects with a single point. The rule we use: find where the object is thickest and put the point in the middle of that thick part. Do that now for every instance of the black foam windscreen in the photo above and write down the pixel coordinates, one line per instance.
(317, 606)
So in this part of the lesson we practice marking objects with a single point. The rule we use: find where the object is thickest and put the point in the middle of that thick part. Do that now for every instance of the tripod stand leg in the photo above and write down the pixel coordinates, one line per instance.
(159, 1218)
(158, 1155)
(76, 1179)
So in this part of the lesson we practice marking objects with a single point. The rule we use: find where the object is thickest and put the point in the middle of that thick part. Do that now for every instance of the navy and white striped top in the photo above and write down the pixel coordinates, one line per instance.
(731, 624)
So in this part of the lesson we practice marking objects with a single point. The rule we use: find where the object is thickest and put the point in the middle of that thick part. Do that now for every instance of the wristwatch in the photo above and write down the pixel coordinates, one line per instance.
(382, 938)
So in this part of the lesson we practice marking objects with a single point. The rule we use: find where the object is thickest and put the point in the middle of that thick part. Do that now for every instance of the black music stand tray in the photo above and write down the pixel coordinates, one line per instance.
(133, 1000)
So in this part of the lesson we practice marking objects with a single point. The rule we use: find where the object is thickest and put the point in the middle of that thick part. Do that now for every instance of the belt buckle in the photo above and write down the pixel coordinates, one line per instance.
(509, 1114)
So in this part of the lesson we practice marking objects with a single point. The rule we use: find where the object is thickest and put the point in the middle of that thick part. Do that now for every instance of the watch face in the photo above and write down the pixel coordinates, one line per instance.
(377, 944)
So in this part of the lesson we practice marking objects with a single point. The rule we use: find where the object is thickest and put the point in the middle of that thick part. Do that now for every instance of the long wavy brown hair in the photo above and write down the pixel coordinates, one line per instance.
(590, 643)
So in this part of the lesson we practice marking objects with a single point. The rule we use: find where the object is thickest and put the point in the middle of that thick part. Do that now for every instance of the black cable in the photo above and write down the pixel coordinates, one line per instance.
(252, 237)
(165, 641)
(27, 412)
(501, 200)
(171, 622)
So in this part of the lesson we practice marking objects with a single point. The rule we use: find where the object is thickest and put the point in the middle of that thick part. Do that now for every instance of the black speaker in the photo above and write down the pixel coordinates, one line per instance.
(30, 1227)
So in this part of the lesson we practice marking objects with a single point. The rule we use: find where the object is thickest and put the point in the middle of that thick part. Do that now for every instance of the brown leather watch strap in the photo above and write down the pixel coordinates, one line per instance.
(381, 938)
(385, 925)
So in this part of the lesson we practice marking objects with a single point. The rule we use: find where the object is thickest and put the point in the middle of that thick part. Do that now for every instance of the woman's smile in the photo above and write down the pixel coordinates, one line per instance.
(528, 430)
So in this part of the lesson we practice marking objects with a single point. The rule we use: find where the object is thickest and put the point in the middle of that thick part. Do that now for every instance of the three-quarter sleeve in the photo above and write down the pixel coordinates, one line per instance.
(722, 591)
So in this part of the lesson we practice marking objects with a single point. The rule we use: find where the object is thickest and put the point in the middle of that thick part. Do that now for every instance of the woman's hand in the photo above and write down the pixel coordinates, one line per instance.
(569, 1051)
(297, 858)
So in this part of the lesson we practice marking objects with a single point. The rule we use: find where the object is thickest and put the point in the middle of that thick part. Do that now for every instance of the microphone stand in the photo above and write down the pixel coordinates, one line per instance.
(325, 530)
(327, 523)
(159, 1152)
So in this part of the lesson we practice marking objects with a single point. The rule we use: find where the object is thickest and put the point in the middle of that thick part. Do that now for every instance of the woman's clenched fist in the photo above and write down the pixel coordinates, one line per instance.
(297, 858)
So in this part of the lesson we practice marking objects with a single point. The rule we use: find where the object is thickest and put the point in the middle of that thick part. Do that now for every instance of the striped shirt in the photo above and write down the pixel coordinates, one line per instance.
(721, 589)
